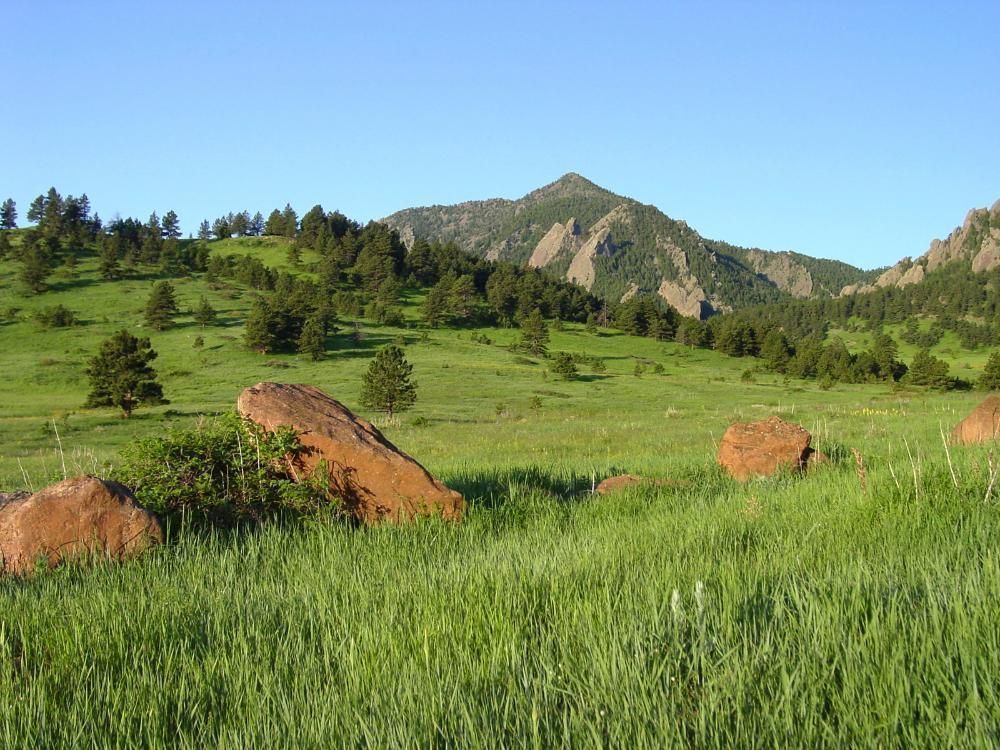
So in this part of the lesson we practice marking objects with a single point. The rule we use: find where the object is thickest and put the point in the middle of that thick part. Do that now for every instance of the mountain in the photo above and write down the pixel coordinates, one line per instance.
(974, 246)
(616, 246)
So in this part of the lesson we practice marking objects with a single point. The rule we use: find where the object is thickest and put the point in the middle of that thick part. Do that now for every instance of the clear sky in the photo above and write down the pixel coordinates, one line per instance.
(852, 130)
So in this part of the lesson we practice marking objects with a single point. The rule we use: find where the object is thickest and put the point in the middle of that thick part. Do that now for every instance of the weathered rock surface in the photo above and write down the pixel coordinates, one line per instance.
(981, 425)
(761, 449)
(76, 517)
(375, 479)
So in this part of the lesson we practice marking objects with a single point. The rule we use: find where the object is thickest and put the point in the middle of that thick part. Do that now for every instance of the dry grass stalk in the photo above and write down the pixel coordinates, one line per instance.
(859, 465)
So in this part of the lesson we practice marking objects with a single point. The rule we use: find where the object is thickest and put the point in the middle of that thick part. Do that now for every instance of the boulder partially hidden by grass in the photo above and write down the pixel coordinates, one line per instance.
(762, 449)
(79, 517)
(981, 425)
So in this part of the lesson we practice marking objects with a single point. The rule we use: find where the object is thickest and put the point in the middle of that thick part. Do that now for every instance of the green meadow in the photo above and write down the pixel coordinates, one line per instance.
(854, 606)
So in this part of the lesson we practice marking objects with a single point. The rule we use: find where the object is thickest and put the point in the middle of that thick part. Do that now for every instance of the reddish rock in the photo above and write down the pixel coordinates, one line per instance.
(375, 480)
(750, 449)
(613, 484)
(981, 425)
(76, 517)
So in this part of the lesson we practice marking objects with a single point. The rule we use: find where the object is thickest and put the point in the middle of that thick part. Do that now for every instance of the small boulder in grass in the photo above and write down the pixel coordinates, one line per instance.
(982, 425)
(762, 449)
(614, 484)
(74, 518)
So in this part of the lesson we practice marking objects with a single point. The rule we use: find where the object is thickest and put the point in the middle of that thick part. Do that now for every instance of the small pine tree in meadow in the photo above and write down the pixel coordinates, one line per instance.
(534, 335)
(386, 385)
(120, 374)
(312, 340)
(564, 366)
(161, 306)
(205, 314)
(258, 334)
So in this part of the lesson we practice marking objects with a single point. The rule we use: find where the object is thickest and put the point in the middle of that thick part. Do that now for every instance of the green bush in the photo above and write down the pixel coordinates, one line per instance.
(223, 472)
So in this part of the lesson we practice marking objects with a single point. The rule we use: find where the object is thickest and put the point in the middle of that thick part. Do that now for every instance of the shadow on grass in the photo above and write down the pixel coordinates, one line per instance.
(496, 488)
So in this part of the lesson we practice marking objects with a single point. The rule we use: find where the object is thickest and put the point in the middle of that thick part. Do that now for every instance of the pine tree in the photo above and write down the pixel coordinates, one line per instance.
(161, 306)
(275, 224)
(534, 335)
(36, 266)
(435, 307)
(120, 374)
(36, 210)
(290, 221)
(152, 241)
(205, 314)
(990, 379)
(564, 366)
(171, 225)
(204, 230)
(312, 340)
(386, 385)
(8, 214)
(928, 370)
(258, 334)
(257, 225)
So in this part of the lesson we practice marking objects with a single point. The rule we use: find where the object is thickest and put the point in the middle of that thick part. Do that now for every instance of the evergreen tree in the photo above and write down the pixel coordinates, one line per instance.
(290, 221)
(776, 351)
(36, 266)
(108, 263)
(564, 366)
(928, 370)
(204, 230)
(171, 225)
(36, 210)
(256, 227)
(8, 214)
(534, 334)
(205, 314)
(152, 240)
(312, 340)
(275, 224)
(462, 299)
(990, 379)
(161, 306)
(386, 385)
(120, 374)
(258, 334)
(170, 257)
(221, 229)
(435, 308)
(240, 224)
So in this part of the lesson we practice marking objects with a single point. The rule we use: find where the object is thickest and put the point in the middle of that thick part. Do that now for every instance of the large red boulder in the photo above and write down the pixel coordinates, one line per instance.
(981, 425)
(76, 517)
(375, 480)
(762, 449)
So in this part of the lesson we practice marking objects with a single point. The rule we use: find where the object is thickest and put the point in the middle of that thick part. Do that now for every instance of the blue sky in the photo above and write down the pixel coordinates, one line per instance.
(857, 131)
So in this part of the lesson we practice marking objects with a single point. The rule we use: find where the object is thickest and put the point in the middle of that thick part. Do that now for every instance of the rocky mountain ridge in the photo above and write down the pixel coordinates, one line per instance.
(975, 243)
(616, 246)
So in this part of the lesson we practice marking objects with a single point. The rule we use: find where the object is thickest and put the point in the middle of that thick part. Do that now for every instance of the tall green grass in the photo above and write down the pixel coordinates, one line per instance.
(789, 612)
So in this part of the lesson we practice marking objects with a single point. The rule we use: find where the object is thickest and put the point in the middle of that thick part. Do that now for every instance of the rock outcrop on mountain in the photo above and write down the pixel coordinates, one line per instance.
(616, 247)
(976, 244)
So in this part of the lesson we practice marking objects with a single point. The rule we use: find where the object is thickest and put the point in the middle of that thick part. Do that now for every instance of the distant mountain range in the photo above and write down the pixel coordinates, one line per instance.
(616, 247)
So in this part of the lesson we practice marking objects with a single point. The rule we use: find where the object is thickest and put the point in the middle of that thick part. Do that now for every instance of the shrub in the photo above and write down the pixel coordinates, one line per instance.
(58, 316)
(224, 472)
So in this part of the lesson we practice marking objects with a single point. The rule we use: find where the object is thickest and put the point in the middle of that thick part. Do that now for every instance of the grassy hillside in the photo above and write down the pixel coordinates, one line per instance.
(836, 609)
